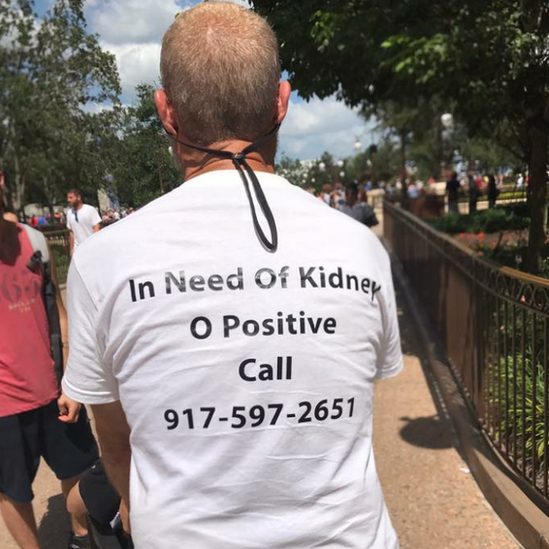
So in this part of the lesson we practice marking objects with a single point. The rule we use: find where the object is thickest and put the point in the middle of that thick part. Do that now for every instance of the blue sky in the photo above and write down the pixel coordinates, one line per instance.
(132, 30)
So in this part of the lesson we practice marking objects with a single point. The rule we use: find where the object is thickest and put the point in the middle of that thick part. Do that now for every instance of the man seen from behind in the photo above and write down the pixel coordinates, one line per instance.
(229, 353)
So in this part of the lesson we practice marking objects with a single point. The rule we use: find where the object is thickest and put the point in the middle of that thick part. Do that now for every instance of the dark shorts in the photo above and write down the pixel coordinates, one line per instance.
(68, 449)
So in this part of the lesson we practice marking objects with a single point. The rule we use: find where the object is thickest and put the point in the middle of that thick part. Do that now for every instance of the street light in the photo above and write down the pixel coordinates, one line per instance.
(357, 145)
(321, 166)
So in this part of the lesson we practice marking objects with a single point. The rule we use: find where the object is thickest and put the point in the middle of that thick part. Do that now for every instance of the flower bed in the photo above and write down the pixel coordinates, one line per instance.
(499, 234)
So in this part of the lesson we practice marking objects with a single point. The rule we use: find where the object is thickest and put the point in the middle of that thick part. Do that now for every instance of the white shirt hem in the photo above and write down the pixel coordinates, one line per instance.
(85, 397)
(392, 371)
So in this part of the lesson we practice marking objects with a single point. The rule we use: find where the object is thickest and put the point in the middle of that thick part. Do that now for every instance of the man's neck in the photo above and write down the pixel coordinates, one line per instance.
(79, 206)
(224, 164)
(194, 163)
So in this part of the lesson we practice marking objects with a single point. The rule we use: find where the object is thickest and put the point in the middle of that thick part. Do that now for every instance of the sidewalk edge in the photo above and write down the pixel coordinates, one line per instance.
(526, 521)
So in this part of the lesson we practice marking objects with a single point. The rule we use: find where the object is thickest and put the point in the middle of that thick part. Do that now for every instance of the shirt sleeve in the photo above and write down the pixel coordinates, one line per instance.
(96, 218)
(390, 361)
(87, 379)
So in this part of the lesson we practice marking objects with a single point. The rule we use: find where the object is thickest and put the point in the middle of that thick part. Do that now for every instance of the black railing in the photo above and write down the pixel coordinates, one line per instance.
(494, 325)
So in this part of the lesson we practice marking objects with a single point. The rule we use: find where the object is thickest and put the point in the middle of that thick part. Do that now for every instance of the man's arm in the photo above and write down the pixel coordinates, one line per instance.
(69, 410)
(113, 432)
(97, 228)
(71, 241)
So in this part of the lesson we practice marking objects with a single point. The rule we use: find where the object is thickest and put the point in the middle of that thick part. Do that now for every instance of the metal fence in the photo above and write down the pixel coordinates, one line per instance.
(494, 324)
(59, 243)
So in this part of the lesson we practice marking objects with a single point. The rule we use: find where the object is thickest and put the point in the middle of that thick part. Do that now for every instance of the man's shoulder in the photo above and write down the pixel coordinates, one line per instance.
(88, 208)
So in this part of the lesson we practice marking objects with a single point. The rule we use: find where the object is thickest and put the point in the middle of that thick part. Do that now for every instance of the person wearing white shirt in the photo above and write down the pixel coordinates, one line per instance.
(230, 354)
(82, 219)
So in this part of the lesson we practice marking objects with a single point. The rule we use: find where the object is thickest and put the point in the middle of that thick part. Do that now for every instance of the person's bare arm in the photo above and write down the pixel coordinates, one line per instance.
(71, 242)
(69, 410)
(113, 432)
(97, 228)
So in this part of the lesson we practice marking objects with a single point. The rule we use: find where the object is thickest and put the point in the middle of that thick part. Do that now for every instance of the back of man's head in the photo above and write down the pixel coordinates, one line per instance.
(220, 69)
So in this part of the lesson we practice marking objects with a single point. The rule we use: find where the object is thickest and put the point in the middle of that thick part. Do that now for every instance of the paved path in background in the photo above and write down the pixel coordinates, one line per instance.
(433, 500)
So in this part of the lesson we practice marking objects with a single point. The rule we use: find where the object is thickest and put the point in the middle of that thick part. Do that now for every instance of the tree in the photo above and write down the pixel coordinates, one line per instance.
(53, 74)
(294, 170)
(145, 168)
(488, 59)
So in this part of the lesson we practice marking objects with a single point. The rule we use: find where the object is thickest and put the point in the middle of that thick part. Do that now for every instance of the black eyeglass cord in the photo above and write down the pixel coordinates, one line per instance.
(240, 163)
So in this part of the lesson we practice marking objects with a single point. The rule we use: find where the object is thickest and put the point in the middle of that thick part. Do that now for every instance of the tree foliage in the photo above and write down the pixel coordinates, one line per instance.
(55, 81)
(487, 59)
(145, 168)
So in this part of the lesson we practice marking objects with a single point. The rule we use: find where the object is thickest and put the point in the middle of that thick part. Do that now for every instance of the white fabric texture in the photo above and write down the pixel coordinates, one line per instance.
(242, 436)
(88, 217)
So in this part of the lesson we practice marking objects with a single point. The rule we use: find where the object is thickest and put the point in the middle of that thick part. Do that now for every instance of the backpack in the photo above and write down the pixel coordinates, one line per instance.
(40, 260)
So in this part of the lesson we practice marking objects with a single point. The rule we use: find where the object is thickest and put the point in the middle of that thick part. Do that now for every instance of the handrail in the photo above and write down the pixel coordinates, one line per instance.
(494, 324)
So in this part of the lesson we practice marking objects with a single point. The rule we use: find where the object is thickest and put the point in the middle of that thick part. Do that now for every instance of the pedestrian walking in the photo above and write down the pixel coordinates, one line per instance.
(359, 211)
(31, 426)
(453, 188)
(493, 191)
(82, 219)
(474, 193)
(237, 334)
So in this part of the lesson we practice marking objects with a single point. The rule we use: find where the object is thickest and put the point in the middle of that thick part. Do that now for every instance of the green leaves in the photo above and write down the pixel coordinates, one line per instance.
(144, 168)
(53, 76)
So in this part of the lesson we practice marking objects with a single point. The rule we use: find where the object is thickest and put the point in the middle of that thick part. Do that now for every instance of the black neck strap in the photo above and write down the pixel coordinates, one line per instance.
(241, 164)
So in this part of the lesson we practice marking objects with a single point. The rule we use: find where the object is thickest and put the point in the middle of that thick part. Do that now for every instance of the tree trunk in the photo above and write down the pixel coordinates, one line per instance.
(403, 169)
(538, 133)
(440, 167)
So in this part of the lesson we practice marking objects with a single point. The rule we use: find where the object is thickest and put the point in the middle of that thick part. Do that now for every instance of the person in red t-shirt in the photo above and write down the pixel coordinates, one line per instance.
(33, 424)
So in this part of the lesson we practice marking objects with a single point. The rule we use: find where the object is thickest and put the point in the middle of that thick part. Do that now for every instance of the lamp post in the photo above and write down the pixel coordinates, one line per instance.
(446, 124)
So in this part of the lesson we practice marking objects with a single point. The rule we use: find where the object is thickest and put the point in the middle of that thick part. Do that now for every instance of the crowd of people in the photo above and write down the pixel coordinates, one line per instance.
(352, 200)
(474, 186)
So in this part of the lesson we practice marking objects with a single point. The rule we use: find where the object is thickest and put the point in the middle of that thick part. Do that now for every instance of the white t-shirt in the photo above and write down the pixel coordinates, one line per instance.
(247, 377)
(82, 223)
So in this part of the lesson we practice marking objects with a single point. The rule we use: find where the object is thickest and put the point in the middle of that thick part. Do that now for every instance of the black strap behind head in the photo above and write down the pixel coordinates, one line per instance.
(239, 161)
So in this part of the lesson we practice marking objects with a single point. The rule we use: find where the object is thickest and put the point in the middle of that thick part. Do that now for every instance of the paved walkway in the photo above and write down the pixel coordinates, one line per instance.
(432, 498)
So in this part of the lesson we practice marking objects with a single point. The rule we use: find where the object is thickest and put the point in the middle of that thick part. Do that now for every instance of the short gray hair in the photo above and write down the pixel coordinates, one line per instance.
(220, 69)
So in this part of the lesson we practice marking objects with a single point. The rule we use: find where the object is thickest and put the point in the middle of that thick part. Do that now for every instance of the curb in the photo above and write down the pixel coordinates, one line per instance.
(526, 521)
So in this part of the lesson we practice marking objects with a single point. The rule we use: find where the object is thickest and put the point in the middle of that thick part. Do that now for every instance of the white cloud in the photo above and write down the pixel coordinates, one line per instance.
(132, 30)
(131, 21)
(318, 126)
(137, 63)
(136, 21)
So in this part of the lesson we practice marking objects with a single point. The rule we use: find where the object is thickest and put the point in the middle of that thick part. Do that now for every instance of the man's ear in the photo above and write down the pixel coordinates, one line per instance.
(166, 112)
(282, 101)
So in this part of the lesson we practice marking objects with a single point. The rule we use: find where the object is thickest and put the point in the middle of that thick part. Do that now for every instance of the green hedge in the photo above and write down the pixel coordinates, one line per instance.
(486, 221)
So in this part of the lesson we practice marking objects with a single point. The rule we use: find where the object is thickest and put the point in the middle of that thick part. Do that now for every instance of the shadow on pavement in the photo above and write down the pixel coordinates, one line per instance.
(433, 432)
(427, 432)
(408, 336)
(54, 528)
